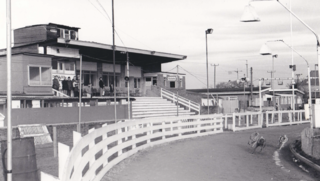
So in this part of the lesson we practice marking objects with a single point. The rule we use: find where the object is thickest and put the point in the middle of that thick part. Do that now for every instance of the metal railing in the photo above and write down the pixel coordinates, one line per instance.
(90, 159)
(58, 93)
(180, 100)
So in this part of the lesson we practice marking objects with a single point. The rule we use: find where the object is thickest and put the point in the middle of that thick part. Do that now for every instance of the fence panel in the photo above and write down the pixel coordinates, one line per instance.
(97, 152)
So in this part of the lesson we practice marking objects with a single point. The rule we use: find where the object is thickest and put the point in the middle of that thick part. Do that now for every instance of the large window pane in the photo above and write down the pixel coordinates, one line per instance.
(45, 76)
(34, 75)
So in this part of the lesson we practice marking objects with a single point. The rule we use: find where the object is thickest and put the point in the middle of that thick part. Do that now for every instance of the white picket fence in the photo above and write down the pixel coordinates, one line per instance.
(252, 120)
(286, 117)
(247, 120)
(93, 155)
(181, 100)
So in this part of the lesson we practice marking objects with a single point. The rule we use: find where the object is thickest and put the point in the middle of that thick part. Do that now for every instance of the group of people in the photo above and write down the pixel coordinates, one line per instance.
(71, 87)
(67, 86)
(256, 140)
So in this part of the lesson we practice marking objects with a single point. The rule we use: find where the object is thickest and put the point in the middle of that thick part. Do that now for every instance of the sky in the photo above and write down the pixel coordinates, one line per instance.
(178, 27)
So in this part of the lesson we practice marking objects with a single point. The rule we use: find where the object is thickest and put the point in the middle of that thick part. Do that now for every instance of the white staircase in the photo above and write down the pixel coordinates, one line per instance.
(145, 107)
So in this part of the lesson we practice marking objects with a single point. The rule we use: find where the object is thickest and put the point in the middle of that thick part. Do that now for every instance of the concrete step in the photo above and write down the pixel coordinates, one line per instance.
(157, 109)
(160, 112)
(153, 107)
(161, 115)
(156, 102)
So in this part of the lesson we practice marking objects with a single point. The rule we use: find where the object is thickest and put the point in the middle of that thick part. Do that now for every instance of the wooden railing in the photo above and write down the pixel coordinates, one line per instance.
(287, 117)
(181, 100)
(59, 94)
(96, 153)
(247, 120)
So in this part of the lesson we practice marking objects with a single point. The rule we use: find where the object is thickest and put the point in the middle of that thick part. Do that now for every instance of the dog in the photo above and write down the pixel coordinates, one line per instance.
(253, 139)
(282, 141)
(261, 142)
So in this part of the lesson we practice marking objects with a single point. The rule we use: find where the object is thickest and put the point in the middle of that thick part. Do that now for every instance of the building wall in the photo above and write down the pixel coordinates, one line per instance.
(29, 35)
(19, 74)
(56, 115)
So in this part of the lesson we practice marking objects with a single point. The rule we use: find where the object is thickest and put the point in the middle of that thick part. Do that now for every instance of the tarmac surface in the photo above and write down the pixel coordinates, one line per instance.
(225, 157)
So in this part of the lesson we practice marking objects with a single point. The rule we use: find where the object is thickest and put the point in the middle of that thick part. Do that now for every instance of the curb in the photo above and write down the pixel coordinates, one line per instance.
(303, 159)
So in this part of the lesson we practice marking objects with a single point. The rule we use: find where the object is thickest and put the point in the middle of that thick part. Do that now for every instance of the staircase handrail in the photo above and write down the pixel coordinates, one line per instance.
(181, 100)
(59, 94)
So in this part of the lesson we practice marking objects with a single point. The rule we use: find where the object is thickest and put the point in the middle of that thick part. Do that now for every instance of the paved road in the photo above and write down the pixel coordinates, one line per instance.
(224, 157)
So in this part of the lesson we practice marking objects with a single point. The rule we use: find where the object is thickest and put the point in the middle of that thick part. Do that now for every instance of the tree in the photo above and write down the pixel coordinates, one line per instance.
(230, 84)
(299, 84)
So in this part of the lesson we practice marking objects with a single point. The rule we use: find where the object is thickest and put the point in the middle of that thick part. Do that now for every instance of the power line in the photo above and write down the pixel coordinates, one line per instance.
(192, 75)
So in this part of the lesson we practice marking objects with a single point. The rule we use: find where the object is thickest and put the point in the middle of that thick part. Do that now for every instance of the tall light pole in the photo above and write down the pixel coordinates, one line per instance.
(251, 16)
(114, 66)
(208, 31)
(9, 96)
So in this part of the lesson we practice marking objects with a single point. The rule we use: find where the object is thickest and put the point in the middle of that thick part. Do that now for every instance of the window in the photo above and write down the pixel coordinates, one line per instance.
(69, 66)
(154, 81)
(89, 77)
(136, 83)
(74, 35)
(111, 80)
(105, 79)
(63, 67)
(39, 75)
(66, 34)
(172, 84)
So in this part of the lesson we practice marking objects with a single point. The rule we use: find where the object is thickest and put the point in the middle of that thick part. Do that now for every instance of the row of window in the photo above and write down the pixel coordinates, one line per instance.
(67, 34)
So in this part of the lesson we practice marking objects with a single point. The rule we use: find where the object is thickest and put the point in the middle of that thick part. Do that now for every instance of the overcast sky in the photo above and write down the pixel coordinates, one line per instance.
(178, 27)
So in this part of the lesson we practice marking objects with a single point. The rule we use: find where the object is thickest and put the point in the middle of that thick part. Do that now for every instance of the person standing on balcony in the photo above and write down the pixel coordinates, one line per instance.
(64, 85)
(55, 84)
(101, 85)
(69, 86)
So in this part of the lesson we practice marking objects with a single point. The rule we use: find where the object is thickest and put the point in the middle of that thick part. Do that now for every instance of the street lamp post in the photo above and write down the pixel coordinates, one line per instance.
(309, 82)
(208, 31)
(251, 16)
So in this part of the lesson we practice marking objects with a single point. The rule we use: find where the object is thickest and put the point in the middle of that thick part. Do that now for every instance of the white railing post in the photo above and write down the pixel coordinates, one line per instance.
(267, 119)
(63, 152)
(120, 141)
(233, 122)
(161, 92)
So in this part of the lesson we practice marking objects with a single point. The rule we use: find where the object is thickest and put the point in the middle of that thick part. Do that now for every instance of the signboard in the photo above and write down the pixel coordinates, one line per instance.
(15, 104)
(171, 78)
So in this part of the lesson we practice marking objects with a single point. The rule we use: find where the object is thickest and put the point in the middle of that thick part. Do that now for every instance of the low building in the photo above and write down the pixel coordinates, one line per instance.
(239, 99)
(43, 51)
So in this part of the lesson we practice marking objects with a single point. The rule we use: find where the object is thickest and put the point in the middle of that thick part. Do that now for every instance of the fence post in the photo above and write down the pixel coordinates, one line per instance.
(247, 120)
(55, 142)
(267, 119)
(63, 156)
(233, 122)
(105, 149)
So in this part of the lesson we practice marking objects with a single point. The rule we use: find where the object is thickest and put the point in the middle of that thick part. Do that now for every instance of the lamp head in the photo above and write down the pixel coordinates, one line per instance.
(265, 50)
(209, 31)
(275, 56)
(249, 15)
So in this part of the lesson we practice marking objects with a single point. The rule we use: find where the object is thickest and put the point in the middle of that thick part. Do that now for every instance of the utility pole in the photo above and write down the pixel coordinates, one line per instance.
(247, 68)
(177, 80)
(215, 75)
(114, 66)
(251, 85)
(237, 71)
